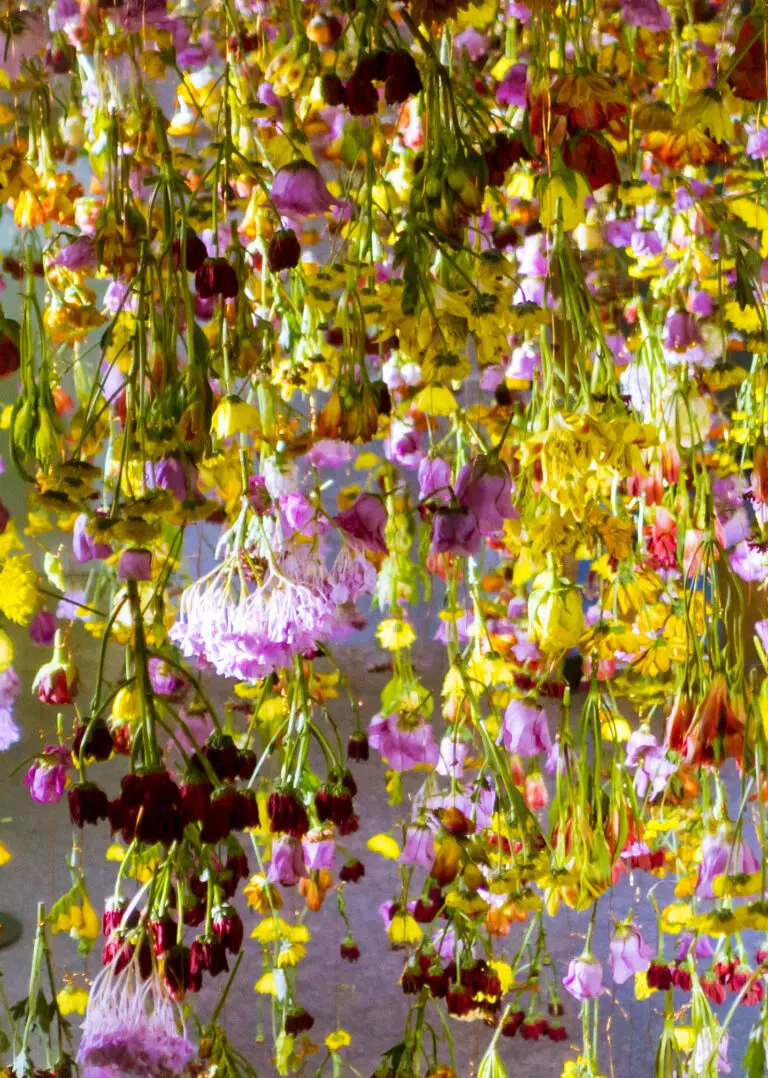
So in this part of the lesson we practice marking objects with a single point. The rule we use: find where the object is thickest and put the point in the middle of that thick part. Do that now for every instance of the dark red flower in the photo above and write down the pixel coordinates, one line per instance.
(87, 804)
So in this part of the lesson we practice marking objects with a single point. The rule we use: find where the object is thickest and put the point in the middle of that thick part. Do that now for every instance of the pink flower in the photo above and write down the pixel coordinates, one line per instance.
(435, 479)
(319, 850)
(629, 953)
(419, 848)
(455, 531)
(525, 731)
(453, 753)
(364, 523)
(403, 741)
(287, 866)
(646, 13)
(298, 190)
(511, 89)
(485, 487)
(47, 776)
(584, 979)
(23, 34)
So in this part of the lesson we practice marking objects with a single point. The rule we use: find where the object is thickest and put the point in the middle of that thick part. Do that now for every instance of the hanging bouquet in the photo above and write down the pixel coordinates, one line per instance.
(355, 324)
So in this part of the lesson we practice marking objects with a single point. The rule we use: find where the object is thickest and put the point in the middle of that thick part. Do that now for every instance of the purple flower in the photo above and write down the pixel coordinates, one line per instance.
(419, 847)
(84, 547)
(28, 37)
(472, 42)
(525, 731)
(47, 776)
(619, 233)
(757, 143)
(78, 255)
(702, 947)
(761, 628)
(298, 190)
(700, 302)
(680, 331)
(435, 479)
(301, 515)
(453, 753)
(722, 854)
(748, 562)
(165, 680)
(646, 243)
(404, 741)
(455, 531)
(646, 13)
(329, 453)
(42, 628)
(364, 523)
(135, 565)
(319, 850)
(9, 731)
(485, 487)
(629, 953)
(584, 979)
(403, 446)
(287, 866)
(173, 474)
(511, 90)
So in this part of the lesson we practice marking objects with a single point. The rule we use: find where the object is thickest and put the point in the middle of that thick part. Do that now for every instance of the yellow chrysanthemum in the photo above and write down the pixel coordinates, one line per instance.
(18, 589)
(338, 1039)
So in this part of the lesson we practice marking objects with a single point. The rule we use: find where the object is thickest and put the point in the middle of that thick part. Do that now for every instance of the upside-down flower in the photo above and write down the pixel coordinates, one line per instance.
(131, 1028)
(18, 589)
(403, 740)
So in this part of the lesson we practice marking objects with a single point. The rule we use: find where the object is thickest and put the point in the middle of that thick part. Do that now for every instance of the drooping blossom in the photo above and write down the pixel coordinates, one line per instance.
(419, 847)
(298, 190)
(364, 522)
(629, 953)
(722, 853)
(455, 531)
(404, 740)
(584, 979)
(485, 487)
(525, 730)
(287, 865)
(47, 777)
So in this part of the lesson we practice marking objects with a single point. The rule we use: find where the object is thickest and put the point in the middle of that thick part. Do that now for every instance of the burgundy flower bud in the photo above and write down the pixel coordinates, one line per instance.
(195, 915)
(284, 250)
(357, 746)
(195, 799)
(352, 871)
(207, 955)
(196, 252)
(412, 981)
(246, 764)
(712, 989)
(298, 1021)
(739, 978)
(286, 813)
(237, 864)
(112, 918)
(557, 1032)
(245, 811)
(362, 96)
(10, 357)
(350, 952)
(514, 1020)
(722, 971)
(217, 821)
(333, 91)
(228, 926)
(681, 978)
(117, 953)
(87, 804)
(222, 754)
(93, 739)
(150, 808)
(215, 277)
(659, 976)
(164, 934)
(459, 1002)
(533, 1029)
(177, 973)
(754, 994)
(426, 910)
(761, 955)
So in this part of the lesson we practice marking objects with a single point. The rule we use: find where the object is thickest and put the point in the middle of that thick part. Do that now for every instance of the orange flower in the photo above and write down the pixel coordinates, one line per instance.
(717, 730)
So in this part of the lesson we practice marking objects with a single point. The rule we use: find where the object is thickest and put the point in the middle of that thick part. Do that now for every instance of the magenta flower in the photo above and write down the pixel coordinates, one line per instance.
(135, 565)
(629, 953)
(319, 850)
(455, 531)
(47, 776)
(584, 979)
(681, 331)
(435, 479)
(84, 547)
(646, 13)
(177, 476)
(722, 854)
(404, 741)
(419, 847)
(42, 628)
(287, 866)
(23, 34)
(364, 522)
(298, 190)
(525, 730)
(301, 515)
(485, 487)
(511, 90)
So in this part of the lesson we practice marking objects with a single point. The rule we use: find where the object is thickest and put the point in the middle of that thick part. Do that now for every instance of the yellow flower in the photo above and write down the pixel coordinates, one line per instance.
(290, 954)
(265, 985)
(435, 400)
(5, 855)
(18, 589)
(384, 845)
(642, 989)
(709, 111)
(270, 929)
(685, 1038)
(404, 930)
(555, 613)
(6, 650)
(395, 634)
(72, 1000)
(338, 1039)
(234, 416)
(561, 196)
